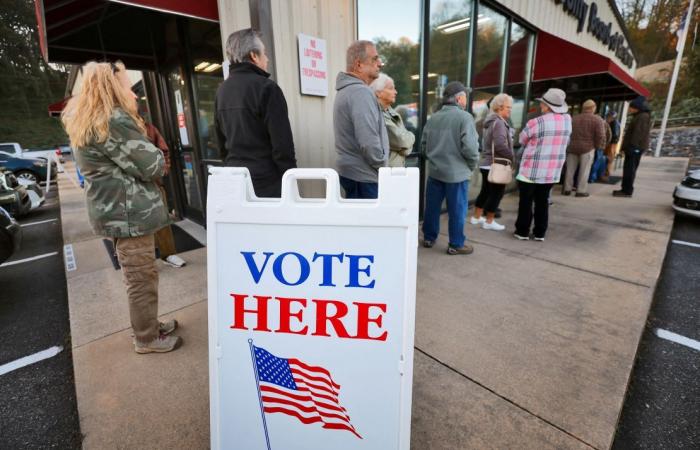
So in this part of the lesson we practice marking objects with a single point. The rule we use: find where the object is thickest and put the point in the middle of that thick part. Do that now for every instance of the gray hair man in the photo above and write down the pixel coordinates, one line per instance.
(361, 139)
(252, 122)
(451, 146)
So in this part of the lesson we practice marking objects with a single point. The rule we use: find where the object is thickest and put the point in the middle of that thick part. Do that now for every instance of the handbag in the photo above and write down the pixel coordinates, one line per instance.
(501, 172)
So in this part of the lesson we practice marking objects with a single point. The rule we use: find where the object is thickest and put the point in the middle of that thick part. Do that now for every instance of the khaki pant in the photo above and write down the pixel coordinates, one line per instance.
(583, 163)
(610, 152)
(164, 237)
(136, 257)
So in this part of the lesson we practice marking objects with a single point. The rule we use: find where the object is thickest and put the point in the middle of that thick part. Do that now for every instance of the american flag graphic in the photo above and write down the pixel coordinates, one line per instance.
(291, 387)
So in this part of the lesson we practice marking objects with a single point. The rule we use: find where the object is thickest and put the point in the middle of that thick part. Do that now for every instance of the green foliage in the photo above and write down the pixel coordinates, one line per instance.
(27, 83)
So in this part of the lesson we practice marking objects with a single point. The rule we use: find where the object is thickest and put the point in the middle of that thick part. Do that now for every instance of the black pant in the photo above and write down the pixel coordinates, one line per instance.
(629, 170)
(539, 194)
(268, 189)
(490, 195)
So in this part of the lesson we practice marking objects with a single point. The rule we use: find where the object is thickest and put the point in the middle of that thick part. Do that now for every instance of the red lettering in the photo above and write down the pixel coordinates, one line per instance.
(363, 320)
(239, 312)
(341, 310)
(286, 314)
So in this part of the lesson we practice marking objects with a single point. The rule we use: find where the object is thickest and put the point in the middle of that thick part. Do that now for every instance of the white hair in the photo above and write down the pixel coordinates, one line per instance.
(500, 101)
(242, 43)
(380, 83)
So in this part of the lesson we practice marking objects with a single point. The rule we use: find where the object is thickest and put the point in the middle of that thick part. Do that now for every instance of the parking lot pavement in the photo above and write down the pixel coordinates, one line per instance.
(38, 407)
(662, 408)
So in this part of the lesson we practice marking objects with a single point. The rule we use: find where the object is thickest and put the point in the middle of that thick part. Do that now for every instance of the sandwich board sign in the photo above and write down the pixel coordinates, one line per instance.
(311, 313)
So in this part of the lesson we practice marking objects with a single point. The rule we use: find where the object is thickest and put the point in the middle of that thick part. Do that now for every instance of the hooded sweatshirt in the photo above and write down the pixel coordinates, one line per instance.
(361, 139)
(496, 130)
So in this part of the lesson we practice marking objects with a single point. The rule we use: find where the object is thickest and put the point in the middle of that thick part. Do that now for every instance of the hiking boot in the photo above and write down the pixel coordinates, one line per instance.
(474, 221)
(621, 193)
(428, 244)
(466, 249)
(521, 237)
(582, 194)
(162, 344)
(495, 226)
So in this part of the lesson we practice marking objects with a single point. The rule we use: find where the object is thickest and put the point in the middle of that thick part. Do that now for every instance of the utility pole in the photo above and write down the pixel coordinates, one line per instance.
(674, 78)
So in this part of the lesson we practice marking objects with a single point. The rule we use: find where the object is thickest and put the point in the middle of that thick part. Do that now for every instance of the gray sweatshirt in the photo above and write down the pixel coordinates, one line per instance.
(451, 145)
(361, 139)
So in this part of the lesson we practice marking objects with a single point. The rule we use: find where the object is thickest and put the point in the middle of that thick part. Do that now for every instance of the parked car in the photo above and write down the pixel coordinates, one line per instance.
(16, 150)
(32, 169)
(10, 235)
(36, 193)
(686, 196)
(14, 198)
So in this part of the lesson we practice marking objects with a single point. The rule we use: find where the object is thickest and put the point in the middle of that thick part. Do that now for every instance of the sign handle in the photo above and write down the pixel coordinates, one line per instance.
(257, 384)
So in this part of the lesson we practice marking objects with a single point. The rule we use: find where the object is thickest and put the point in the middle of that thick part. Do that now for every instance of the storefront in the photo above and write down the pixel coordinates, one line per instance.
(514, 46)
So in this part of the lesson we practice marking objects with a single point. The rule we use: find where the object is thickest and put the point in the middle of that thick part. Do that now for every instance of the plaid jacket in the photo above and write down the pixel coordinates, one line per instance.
(545, 139)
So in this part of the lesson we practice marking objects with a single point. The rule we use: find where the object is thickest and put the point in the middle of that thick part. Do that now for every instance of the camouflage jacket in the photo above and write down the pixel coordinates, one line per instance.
(123, 199)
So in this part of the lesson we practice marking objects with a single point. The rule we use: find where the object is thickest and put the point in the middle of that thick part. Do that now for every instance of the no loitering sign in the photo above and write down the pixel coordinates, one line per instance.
(311, 313)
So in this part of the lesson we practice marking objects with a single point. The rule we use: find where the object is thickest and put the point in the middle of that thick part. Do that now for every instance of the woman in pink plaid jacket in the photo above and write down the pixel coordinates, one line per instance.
(545, 139)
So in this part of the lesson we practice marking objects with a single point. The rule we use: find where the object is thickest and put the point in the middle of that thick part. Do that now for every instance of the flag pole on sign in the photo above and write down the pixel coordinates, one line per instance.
(676, 68)
(257, 384)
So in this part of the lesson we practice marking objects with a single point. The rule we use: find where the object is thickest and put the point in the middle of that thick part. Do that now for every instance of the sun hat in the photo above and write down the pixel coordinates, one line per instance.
(555, 99)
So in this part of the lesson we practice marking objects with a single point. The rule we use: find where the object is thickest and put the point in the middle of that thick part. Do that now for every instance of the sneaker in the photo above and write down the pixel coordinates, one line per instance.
(539, 239)
(167, 327)
(493, 226)
(428, 244)
(474, 221)
(175, 261)
(521, 238)
(583, 194)
(466, 249)
(621, 193)
(162, 344)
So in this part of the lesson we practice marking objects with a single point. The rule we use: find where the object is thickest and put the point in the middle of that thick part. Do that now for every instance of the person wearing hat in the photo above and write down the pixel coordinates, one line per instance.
(611, 148)
(451, 148)
(587, 134)
(544, 139)
(634, 144)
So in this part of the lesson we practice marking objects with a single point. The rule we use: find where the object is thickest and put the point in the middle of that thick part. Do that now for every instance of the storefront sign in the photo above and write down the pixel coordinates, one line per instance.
(311, 313)
(181, 122)
(313, 67)
(602, 31)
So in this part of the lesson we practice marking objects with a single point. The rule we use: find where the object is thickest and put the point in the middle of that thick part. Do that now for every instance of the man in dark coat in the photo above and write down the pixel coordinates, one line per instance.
(634, 143)
(252, 123)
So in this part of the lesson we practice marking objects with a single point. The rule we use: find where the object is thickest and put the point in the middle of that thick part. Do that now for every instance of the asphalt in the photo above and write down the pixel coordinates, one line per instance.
(38, 408)
(662, 408)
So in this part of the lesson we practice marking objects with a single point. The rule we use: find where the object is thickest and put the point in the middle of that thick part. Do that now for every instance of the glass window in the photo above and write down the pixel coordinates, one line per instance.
(488, 59)
(450, 37)
(394, 27)
(518, 71)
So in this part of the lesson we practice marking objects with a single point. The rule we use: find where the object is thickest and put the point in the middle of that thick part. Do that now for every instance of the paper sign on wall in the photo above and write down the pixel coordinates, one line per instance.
(311, 313)
(313, 66)
(181, 122)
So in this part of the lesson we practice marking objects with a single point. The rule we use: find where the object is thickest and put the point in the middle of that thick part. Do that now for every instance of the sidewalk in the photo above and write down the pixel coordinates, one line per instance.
(520, 345)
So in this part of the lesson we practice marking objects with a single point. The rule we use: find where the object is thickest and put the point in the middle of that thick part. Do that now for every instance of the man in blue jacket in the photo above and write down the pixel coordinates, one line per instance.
(451, 146)
(361, 139)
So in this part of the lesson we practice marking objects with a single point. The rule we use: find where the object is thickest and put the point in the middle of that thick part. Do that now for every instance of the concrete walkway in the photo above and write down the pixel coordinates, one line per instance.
(520, 345)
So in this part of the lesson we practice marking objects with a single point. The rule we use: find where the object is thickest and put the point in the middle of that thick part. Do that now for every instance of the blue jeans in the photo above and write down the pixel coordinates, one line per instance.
(456, 195)
(358, 189)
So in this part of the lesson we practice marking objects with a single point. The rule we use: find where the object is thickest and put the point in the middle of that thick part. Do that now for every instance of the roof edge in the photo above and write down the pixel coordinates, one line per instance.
(623, 27)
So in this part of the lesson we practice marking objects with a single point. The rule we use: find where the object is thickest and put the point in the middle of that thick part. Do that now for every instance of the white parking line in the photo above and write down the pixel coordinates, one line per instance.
(33, 258)
(37, 223)
(678, 339)
(31, 359)
(689, 244)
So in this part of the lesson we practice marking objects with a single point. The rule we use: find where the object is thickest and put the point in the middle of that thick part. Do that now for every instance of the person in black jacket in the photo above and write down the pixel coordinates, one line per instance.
(252, 123)
(634, 143)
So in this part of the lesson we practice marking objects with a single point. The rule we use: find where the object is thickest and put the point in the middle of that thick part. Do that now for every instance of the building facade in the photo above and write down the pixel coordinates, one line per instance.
(516, 46)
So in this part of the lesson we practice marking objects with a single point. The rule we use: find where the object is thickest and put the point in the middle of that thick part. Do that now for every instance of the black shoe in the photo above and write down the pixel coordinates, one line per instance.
(498, 213)
(582, 194)
(566, 193)
(621, 193)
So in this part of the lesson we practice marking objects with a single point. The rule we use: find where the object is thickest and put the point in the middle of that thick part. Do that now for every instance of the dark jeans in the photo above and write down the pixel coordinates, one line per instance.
(358, 189)
(538, 194)
(629, 170)
(456, 194)
(268, 189)
(490, 195)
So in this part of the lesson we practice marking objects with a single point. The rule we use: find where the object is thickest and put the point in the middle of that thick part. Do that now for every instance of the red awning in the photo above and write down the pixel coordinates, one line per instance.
(199, 9)
(55, 109)
(557, 59)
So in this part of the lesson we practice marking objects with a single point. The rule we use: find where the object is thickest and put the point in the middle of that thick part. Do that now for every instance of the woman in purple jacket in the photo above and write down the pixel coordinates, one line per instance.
(497, 133)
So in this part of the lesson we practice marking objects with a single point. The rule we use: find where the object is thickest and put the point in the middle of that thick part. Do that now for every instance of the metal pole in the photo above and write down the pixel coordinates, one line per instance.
(674, 78)
(257, 383)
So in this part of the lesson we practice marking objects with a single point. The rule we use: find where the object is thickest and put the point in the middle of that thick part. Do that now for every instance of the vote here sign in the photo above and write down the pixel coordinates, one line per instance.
(311, 313)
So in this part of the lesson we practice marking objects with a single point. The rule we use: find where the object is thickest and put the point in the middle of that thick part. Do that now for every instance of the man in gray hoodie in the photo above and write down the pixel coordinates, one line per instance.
(451, 147)
(361, 139)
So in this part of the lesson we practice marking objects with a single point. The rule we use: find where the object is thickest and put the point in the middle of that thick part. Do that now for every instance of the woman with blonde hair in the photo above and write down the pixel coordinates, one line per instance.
(120, 167)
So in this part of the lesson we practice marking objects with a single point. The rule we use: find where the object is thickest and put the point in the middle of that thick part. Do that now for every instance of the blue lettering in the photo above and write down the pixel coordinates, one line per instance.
(253, 267)
(303, 265)
(355, 270)
(327, 266)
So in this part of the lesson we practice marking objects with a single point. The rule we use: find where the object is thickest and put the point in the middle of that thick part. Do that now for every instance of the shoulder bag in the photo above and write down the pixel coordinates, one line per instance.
(501, 172)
